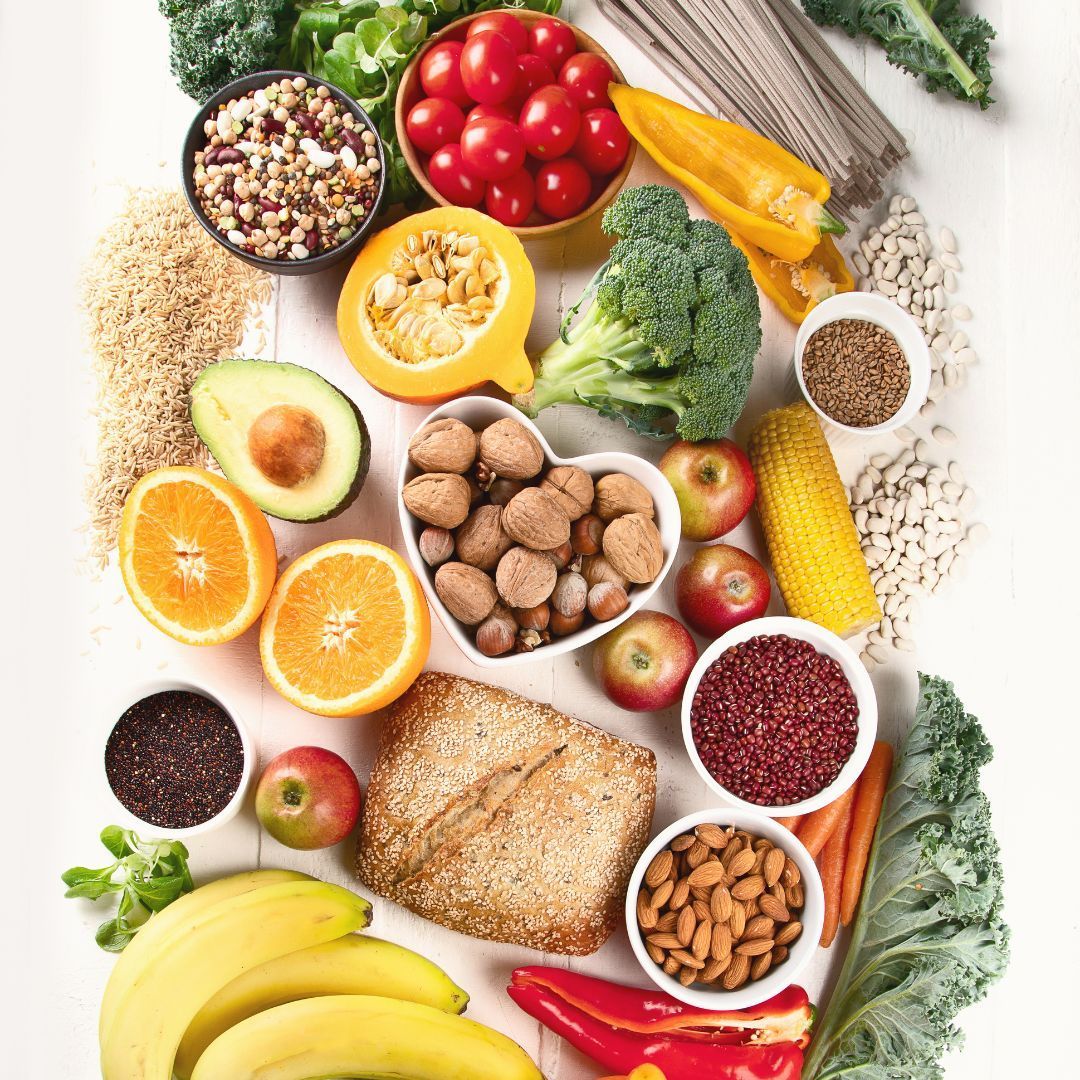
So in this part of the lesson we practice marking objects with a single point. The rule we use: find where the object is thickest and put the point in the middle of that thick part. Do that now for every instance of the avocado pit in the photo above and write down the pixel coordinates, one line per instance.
(287, 444)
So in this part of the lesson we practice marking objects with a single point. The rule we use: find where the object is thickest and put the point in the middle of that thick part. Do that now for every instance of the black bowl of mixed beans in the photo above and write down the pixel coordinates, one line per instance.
(284, 170)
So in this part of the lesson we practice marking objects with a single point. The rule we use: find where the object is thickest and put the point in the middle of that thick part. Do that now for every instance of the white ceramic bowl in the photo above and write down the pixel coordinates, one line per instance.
(800, 952)
(144, 828)
(889, 316)
(827, 643)
(478, 412)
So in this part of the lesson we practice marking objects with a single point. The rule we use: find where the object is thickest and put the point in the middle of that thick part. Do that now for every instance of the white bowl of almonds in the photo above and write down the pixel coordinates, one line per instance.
(724, 909)
(524, 554)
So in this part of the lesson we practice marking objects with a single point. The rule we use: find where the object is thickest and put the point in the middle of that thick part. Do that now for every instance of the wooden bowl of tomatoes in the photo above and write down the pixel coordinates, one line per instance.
(508, 111)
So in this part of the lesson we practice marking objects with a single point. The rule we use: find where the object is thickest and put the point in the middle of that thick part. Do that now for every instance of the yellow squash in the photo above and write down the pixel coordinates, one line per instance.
(439, 304)
(756, 188)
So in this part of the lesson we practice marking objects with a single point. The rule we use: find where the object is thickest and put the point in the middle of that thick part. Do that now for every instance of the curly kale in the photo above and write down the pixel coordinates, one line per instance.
(213, 42)
(932, 38)
(929, 939)
(671, 330)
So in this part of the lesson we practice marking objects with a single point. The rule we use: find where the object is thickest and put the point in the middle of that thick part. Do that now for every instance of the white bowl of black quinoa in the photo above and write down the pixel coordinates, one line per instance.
(177, 759)
(276, 135)
(779, 716)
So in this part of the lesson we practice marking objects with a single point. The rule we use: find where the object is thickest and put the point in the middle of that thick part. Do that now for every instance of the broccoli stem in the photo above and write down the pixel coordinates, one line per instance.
(973, 86)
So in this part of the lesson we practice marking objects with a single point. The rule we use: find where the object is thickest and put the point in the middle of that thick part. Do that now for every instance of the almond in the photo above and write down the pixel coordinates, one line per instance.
(647, 916)
(720, 943)
(662, 894)
(737, 921)
(754, 947)
(759, 860)
(795, 896)
(751, 907)
(688, 976)
(707, 875)
(699, 946)
(657, 956)
(774, 908)
(790, 875)
(701, 910)
(714, 969)
(748, 887)
(697, 854)
(664, 941)
(759, 926)
(720, 904)
(701, 892)
(712, 836)
(735, 845)
(774, 866)
(680, 894)
(686, 926)
(742, 863)
(658, 869)
(788, 933)
(760, 967)
(779, 954)
(672, 966)
(689, 960)
(682, 843)
(737, 973)
(667, 923)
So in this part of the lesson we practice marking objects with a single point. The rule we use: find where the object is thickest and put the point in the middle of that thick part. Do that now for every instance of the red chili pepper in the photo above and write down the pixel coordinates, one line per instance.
(680, 1059)
(786, 1017)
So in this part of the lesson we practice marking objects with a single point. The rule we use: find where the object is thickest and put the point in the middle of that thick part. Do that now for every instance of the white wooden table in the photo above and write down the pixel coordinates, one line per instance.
(1005, 181)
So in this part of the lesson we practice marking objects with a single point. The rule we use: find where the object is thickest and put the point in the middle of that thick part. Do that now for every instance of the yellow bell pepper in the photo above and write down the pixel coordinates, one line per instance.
(642, 1072)
(753, 186)
(798, 287)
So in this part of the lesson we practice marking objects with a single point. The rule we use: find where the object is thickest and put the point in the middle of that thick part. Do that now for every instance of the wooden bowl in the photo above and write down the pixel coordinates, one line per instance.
(410, 92)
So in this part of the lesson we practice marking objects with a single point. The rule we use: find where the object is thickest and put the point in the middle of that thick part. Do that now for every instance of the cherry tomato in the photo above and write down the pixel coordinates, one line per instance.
(511, 200)
(533, 72)
(603, 141)
(549, 121)
(585, 77)
(554, 41)
(563, 188)
(502, 22)
(440, 72)
(503, 111)
(452, 180)
(489, 68)
(492, 148)
(433, 122)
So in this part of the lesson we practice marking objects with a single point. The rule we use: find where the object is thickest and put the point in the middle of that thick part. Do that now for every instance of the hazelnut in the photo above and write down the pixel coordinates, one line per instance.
(633, 547)
(595, 568)
(569, 595)
(571, 488)
(497, 634)
(534, 618)
(502, 490)
(535, 519)
(436, 545)
(586, 535)
(607, 600)
(525, 577)
(481, 540)
(618, 494)
(287, 444)
(469, 594)
(561, 555)
(443, 446)
(510, 449)
(561, 625)
(438, 498)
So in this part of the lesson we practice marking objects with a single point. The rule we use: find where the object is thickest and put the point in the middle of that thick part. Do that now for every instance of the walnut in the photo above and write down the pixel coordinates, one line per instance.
(438, 498)
(443, 446)
(633, 547)
(618, 494)
(535, 519)
(510, 449)
(525, 577)
(481, 540)
(595, 568)
(469, 594)
(571, 488)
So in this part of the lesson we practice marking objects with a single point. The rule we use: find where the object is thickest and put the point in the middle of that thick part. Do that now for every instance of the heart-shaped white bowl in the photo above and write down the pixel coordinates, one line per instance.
(478, 412)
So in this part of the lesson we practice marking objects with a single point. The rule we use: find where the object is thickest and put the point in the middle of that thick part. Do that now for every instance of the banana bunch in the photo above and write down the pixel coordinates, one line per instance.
(263, 974)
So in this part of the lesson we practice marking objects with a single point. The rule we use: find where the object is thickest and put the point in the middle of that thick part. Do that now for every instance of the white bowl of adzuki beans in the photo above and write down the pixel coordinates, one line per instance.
(779, 716)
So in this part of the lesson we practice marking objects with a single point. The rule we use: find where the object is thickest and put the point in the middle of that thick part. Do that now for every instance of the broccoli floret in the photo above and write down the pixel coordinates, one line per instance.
(213, 42)
(671, 330)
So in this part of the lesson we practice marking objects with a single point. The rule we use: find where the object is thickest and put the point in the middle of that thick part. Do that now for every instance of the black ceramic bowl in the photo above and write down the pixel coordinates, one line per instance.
(196, 140)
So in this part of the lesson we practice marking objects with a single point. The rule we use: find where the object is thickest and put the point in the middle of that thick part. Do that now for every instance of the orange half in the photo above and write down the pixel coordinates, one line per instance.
(346, 630)
(196, 554)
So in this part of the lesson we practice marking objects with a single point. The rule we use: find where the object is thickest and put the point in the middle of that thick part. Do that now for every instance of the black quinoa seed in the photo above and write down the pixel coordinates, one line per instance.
(174, 759)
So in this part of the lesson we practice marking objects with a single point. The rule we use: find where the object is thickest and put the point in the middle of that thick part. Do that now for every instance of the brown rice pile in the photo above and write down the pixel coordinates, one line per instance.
(162, 301)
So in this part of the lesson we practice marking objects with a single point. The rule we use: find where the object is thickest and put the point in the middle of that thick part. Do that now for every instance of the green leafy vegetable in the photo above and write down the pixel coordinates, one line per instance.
(672, 329)
(924, 37)
(148, 874)
(929, 939)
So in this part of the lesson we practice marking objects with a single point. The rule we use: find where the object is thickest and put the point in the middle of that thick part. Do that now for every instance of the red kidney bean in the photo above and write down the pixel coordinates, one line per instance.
(211, 155)
(311, 240)
(350, 138)
(267, 204)
(229, 155)
(245, 228)
(773, 720)
(275, 127)
(312, 125)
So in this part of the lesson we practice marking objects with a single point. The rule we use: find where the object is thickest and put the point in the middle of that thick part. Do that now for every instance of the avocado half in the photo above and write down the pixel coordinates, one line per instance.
(285, 436)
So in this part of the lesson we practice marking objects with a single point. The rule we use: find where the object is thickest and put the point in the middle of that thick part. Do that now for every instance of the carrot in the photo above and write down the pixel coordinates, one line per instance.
(870, 796)
(790, 823)
(817, 827)
(833, 859)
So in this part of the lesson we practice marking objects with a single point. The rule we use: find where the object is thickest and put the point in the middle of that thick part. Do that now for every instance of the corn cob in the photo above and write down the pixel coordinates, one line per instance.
(809, 531)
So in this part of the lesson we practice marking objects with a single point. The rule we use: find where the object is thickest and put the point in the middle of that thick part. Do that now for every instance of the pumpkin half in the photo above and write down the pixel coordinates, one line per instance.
(439, 304)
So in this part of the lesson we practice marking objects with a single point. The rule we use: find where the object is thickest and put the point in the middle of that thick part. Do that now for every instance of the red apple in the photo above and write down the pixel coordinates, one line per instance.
(643, 664)
(308, 798)
(719, 587)
(714, 484)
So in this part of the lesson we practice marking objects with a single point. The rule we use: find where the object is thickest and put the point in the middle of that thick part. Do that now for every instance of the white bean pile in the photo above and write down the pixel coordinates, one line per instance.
(911, 516)
(899, 260)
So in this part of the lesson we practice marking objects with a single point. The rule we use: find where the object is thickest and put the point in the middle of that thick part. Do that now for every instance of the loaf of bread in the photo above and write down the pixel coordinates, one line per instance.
(503, 818)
